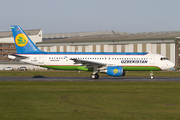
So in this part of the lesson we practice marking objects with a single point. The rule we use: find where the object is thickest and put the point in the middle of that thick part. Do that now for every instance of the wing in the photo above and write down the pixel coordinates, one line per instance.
(89, 64)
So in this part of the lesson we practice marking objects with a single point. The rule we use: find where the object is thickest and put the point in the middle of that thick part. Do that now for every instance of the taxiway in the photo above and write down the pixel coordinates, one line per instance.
(102, 79)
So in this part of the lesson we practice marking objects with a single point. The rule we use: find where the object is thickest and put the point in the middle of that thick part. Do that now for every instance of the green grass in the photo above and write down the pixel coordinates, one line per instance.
(89, 100)
(58, 73)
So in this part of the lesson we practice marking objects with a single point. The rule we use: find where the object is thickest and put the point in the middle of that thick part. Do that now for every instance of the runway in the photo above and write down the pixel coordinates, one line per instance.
(101, 79)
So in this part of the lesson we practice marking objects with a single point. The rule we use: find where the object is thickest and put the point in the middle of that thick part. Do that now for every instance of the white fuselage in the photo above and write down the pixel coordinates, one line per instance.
(149, 59)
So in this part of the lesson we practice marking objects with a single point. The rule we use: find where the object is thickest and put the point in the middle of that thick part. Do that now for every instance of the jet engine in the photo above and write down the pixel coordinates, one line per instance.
(115, 71)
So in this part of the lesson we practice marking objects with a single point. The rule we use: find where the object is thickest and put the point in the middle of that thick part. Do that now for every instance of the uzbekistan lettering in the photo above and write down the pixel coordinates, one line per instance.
(134, 61)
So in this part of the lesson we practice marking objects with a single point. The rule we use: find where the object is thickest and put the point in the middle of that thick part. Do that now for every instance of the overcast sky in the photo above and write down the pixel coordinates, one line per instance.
(61, 16)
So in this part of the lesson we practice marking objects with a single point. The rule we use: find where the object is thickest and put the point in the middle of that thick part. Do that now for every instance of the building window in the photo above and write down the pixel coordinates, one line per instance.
(5, 60)
(11, 50)
(11, 46)
(178, 54)
(5, 50)
(5, 45)
(11, 60)
(5, 55)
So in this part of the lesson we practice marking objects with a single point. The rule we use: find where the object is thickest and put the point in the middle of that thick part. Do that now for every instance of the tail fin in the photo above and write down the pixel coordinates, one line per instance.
(23, 43)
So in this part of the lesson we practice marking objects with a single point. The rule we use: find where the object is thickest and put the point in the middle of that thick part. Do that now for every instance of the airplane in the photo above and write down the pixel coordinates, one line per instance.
(110, 63)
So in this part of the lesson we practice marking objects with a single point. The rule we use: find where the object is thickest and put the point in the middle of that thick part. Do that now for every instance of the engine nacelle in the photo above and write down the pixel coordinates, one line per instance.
(115, 71)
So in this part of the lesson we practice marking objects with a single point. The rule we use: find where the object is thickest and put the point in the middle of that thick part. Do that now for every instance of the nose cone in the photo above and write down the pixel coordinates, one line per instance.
(171, 64)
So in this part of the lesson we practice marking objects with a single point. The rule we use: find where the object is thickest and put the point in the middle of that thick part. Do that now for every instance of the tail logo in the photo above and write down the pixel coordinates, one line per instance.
(21, 40)
(115, 71)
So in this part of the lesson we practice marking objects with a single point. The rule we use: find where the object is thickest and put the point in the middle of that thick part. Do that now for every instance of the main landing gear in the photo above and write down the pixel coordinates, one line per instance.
(94, 76)
(95, 73)
(151, 75)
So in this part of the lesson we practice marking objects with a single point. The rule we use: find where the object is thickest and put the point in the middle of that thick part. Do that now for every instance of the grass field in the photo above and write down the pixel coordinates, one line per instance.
(58, 73)
(90, 100)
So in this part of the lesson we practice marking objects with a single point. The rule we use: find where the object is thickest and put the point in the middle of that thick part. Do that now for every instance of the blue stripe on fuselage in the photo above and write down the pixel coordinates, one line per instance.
(87, 53)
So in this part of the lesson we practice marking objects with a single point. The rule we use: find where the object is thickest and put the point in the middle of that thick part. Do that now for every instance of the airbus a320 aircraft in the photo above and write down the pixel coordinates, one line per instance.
(111, 63)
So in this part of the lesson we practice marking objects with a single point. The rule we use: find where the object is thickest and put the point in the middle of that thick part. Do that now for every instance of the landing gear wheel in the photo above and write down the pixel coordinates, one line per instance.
(151, 75)
(94, 76)
(97, 76)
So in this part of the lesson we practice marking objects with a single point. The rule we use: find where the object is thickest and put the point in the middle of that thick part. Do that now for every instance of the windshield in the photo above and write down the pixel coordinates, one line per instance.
(164, 58)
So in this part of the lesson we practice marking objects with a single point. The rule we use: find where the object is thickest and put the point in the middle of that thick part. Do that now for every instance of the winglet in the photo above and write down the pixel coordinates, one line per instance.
(23, 43)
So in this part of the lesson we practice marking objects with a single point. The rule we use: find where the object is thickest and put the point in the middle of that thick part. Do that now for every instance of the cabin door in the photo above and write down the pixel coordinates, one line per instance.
(41, 59)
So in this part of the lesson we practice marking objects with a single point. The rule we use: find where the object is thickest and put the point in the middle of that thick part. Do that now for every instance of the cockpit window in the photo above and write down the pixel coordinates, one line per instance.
(164, 58)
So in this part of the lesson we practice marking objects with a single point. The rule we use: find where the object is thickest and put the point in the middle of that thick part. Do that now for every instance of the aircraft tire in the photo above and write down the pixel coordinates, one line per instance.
(97, 76)
(94, 76)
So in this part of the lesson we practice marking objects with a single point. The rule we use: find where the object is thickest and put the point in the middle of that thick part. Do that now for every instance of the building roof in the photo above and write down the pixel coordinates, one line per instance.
(28, 32)
(83, 34)
(114, 37)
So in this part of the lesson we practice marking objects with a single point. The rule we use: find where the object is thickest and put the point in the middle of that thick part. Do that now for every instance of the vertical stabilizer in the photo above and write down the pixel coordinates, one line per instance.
(23, 43)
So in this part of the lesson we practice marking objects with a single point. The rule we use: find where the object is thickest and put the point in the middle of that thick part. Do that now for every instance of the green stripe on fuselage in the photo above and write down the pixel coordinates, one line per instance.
(83, 68)
(141, 68)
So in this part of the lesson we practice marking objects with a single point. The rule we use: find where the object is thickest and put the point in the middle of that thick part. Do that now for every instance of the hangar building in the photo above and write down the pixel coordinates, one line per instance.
(165, 43)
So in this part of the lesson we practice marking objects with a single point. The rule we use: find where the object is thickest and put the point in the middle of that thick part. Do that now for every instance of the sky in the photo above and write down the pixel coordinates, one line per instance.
(65, 16)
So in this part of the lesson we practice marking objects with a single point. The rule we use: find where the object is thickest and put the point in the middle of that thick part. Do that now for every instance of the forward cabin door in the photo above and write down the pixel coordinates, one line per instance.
(151, 59)
(41, 59)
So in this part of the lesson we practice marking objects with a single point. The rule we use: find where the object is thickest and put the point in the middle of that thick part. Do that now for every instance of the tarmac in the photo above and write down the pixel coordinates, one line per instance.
(87, 79)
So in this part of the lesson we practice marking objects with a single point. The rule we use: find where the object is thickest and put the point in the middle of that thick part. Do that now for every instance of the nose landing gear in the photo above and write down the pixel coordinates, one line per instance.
(151, 75)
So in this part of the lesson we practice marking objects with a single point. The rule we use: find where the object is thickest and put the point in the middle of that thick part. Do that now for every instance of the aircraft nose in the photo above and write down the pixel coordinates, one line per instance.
(171, 64)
